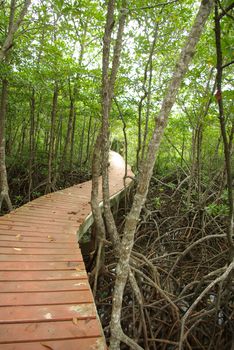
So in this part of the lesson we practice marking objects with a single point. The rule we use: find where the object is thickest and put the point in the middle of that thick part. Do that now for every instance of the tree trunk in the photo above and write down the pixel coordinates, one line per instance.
(4, 190)
(81, 146)
(88, 141)
(7, 44)
(31, 142)
(57, 150)
(72, 140)
(108, 84)
(147, 169)
(102, 144)
(227, 149)
(52, 137)
(62, 163)
(147, 81)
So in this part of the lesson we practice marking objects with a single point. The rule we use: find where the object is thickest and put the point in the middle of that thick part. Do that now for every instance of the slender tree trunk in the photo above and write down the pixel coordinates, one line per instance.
(72, 140)
(108, 84)
(69, 129)
(125, 138)
(227, 152)
(7, 44)
(199, 160)
(9, 137)
(81, 147)
(4, 189)
(102, 144)
(57, 150)
(192, 166)
(147, 169)
(88, 141)
(31, 142)
(147, 81)
(52, 139)
(93, 138)
(62, 163)
(98, 144)
(37, 126)
(23, 137)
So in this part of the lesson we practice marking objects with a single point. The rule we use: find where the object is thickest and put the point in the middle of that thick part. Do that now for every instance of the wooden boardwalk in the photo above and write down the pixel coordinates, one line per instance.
(45, 297)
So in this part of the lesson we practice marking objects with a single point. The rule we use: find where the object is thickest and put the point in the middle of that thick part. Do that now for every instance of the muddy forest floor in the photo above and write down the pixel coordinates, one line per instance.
(180, 249)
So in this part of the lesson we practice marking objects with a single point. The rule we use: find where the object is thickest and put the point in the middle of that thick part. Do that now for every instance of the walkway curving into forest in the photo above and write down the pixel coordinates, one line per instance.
(45, 297)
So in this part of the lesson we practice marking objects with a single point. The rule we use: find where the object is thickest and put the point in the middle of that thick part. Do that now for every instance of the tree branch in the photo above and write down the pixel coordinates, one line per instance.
(199, 298)
(13, 27)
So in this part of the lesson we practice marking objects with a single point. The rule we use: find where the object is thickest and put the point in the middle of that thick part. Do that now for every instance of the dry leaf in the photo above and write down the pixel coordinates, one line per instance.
(18, 249)
(75, 321)
(51, 238)
(19, 237)
(47, 346)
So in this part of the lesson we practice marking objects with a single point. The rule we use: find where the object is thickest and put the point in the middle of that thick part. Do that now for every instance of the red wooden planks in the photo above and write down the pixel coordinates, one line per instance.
(40, 313)
(40, 265)
(47, 275)
(96, 343)
(46, 331)
(45, 297)
(44, 286)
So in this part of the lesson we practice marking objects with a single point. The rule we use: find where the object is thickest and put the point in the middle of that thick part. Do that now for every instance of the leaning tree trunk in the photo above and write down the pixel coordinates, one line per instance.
(146, 171)
(4, 190)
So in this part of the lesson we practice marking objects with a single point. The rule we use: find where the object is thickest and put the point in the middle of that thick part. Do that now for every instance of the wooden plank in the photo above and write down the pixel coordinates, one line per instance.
(41, 258)
(40, 313)
(47, 275)
(46, 298)
(47, 331)
(40, 265)
(27, 227)
(34, 236)
(48, 244)
(14, 230)
(37, 224)
(43, 286)
(96, 343)
(34, 219)
(40, 251)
